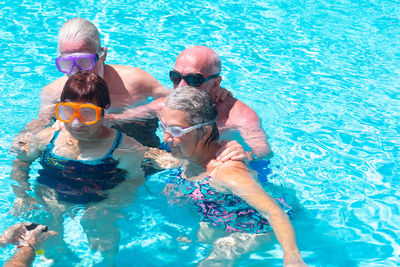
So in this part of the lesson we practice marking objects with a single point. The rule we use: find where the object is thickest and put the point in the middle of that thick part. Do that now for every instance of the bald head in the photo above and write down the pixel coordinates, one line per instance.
(201, 58)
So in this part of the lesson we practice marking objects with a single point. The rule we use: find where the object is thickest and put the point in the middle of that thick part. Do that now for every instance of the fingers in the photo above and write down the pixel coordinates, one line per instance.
(58, 125)
(39, 229)
(231, 150)
(51, 233)
(232, 153)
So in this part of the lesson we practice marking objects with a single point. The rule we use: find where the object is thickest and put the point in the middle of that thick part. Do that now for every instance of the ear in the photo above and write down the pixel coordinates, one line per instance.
(217, 81)
(208, 130)
(105, 49)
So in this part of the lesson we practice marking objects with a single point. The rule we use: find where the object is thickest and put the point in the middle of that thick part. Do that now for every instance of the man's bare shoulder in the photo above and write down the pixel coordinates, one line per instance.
(131, 74)
(54, 89)
(135, 78)
(242, 114)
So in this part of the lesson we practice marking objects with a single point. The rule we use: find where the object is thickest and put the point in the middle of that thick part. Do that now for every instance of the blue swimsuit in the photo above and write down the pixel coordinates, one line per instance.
(78, 181)
(226, 211)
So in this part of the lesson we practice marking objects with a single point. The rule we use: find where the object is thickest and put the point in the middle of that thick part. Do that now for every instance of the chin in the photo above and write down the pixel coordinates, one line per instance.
(176, 152)
(79, 134)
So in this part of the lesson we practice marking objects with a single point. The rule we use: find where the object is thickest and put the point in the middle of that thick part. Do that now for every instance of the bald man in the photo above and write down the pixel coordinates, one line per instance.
(200, 66)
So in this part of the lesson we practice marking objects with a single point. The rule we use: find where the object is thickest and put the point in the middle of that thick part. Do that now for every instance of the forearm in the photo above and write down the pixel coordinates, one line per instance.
(133, 114)
(161, 159)
(256, 139)
(284, 232)
(20, 174)
(22, 258)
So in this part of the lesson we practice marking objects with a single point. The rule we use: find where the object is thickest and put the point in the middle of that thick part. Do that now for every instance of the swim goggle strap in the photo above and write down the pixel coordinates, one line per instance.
(87, 113)
(78, 62)
(190, 79)
(177, 131)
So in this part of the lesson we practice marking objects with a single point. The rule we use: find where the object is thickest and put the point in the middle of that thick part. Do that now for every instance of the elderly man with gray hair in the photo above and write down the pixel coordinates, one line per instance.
(80, 49)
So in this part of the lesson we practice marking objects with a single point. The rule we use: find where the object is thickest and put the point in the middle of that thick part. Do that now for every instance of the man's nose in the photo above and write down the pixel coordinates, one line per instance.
(182, 83)
(74, 70)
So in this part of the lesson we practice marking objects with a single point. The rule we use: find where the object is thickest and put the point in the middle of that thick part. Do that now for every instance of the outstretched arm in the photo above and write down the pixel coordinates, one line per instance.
(234, 177)
(150, 110)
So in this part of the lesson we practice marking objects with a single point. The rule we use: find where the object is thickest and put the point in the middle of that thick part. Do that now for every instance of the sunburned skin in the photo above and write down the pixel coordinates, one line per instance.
(232, 113)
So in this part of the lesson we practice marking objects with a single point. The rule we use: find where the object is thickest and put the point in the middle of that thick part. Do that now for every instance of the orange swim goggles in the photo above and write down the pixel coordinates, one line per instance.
(87, 113)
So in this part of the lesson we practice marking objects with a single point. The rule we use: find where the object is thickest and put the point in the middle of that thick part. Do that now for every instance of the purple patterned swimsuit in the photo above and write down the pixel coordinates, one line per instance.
(226, 211)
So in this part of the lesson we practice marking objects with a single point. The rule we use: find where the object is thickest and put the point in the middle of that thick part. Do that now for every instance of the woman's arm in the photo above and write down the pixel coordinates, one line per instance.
(234, 176)
(25, 155)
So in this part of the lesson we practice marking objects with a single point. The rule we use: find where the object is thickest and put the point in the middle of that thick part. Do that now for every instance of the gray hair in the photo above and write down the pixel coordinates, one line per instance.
(216, 61)
(199, 106)
(79, 29)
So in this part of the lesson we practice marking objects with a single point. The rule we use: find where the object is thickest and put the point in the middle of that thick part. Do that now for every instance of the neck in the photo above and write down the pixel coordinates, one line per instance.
(204, 158)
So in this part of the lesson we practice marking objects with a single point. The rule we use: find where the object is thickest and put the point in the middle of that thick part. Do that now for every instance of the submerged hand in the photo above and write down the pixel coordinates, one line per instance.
(14, 233)
(293, 260)
(21, 143)
(37, 236)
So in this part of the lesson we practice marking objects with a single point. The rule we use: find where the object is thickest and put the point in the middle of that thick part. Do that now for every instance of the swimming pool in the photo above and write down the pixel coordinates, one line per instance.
(322, 75)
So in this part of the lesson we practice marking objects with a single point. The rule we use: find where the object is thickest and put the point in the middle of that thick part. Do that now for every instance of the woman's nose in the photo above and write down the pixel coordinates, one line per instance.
(167, 137)
(76, 122)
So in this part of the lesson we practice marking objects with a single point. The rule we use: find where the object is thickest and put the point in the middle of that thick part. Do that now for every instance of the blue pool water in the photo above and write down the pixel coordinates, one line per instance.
(323, 76)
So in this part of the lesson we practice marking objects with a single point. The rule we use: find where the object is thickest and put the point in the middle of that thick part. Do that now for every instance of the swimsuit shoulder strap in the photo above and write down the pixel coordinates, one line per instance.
(117, 142)
(50, 145)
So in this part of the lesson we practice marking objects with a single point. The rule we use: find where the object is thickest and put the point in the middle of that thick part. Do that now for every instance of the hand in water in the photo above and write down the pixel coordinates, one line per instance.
(293, 260)
(14, 234)
(21, 143)
(232, 150)
(35, 237)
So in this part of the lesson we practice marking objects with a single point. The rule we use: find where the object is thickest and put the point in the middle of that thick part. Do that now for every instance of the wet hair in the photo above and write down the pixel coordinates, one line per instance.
(200, 108)
(81, 30)
(86, 87)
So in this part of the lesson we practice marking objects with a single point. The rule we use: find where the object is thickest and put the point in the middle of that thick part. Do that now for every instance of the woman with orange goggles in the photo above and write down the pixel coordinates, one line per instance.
(85, 162)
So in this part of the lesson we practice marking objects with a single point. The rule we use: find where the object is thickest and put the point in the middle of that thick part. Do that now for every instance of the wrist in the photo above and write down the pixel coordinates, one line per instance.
(251, 156)
(26, 246)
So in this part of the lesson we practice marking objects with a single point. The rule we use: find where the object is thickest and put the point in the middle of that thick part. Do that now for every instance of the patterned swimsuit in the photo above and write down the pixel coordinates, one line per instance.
(78, 181)
(226, 211)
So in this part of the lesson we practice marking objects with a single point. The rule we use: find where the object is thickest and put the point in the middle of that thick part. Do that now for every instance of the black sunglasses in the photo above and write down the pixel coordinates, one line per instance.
(190, 79)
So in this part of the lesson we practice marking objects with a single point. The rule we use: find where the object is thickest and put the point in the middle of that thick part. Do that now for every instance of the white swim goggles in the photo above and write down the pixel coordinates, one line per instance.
(177, 131)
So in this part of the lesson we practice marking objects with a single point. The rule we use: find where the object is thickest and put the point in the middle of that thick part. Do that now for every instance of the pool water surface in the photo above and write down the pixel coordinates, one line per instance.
(322, 75)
